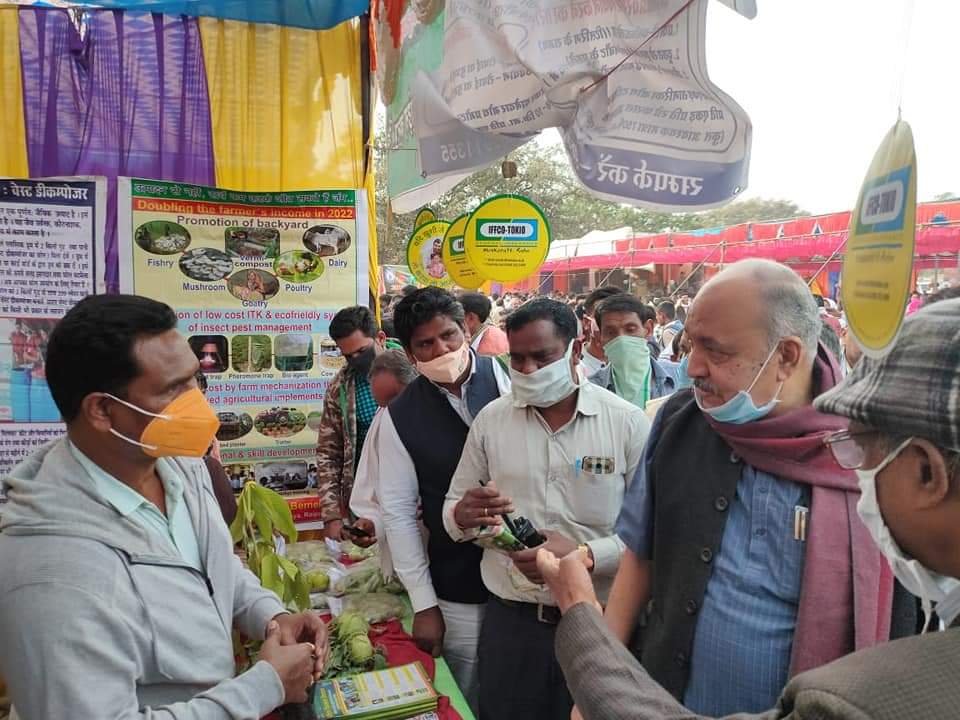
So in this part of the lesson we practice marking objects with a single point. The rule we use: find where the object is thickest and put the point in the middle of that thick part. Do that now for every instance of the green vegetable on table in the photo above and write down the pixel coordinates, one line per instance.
(350, 625)
(319, 581)
(351, 651)
(361, 649)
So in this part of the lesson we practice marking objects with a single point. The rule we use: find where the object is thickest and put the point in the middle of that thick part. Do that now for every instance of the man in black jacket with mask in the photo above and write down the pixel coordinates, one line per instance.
(420, 439)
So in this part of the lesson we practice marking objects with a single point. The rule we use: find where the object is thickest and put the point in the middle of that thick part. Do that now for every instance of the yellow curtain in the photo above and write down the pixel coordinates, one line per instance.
(374, 271)
(286, 110)
(285, 105)
(13, 149)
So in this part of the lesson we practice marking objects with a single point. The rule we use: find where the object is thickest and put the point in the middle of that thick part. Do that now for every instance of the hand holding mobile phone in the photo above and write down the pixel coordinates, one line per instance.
(356, 531)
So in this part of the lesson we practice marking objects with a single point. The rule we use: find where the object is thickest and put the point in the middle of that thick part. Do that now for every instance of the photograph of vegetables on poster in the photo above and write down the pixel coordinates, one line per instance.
(255, 279)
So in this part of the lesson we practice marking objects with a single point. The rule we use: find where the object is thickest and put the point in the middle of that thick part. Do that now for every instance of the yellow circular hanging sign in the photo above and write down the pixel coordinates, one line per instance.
(455, 258)
(878, 264)
(426, 215)
(507, 238)
(425, 254)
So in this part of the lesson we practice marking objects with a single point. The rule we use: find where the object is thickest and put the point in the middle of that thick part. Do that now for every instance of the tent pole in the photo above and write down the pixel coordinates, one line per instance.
(549, 275)
(829, 260)
(606, 277)
(366, 86)
(693, 272)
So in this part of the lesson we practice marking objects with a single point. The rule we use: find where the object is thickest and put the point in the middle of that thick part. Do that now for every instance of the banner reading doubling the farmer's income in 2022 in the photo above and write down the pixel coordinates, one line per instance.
(255, 279)
(626, 82)
(51, 256)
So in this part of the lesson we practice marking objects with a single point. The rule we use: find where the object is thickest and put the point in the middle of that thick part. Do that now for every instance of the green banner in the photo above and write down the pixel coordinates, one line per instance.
(422, 50)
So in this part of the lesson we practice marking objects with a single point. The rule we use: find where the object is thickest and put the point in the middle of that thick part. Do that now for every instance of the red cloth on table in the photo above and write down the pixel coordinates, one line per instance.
(400, 649)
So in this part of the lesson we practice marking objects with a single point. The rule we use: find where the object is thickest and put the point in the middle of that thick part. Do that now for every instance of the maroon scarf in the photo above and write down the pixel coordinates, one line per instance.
(847, 591)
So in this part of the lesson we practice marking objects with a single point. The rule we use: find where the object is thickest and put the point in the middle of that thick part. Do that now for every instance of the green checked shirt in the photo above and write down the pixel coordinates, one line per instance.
(366, 409)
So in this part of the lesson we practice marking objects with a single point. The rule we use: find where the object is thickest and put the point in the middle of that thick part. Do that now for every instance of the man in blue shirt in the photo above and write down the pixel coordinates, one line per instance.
(670, 327)
(716, 520)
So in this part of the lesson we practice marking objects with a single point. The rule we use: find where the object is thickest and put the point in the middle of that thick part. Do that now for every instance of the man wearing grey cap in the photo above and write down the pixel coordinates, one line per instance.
(904, 444)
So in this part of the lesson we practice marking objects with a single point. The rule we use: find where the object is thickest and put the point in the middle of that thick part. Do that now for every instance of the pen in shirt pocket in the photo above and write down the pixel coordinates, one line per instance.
(578, 465)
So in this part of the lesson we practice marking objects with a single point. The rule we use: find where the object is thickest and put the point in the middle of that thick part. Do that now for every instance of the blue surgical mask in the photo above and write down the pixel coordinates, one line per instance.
(683, 377)
(740, 409)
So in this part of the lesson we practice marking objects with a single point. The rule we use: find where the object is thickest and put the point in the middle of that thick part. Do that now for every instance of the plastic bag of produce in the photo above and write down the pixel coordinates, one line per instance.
(362, 577)
(313, 558)
(375, 607)
(319, 601)
(345, 551)
(354, 578)
(355, 553)
(314, 551)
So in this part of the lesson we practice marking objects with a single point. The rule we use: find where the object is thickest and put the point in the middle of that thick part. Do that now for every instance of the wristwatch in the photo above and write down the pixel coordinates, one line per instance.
(586, 548)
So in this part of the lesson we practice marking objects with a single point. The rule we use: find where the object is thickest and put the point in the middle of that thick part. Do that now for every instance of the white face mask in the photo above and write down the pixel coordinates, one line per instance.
(448, 368)
(927, 585)
(546, 386)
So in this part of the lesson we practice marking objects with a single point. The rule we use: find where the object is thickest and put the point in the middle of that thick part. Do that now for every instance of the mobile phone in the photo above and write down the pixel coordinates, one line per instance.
(524, 531)
(356, 532)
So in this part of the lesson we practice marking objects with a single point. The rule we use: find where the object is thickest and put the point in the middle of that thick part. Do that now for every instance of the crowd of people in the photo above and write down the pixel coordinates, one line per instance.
(721, 534)
(718, 507)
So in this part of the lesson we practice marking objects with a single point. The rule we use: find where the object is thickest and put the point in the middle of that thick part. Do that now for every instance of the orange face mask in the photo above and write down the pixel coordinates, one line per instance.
(185, 428)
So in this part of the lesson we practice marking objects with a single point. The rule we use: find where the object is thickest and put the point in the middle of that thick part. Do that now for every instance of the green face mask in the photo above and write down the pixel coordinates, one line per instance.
(629, 358)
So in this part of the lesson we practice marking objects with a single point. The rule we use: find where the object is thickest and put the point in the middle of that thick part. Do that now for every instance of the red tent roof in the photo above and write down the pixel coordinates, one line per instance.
(807, 240)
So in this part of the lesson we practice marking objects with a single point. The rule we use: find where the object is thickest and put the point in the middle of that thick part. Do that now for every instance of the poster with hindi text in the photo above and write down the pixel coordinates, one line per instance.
(419, 46)
(255, 278)
(625, 82)
(51, 256)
